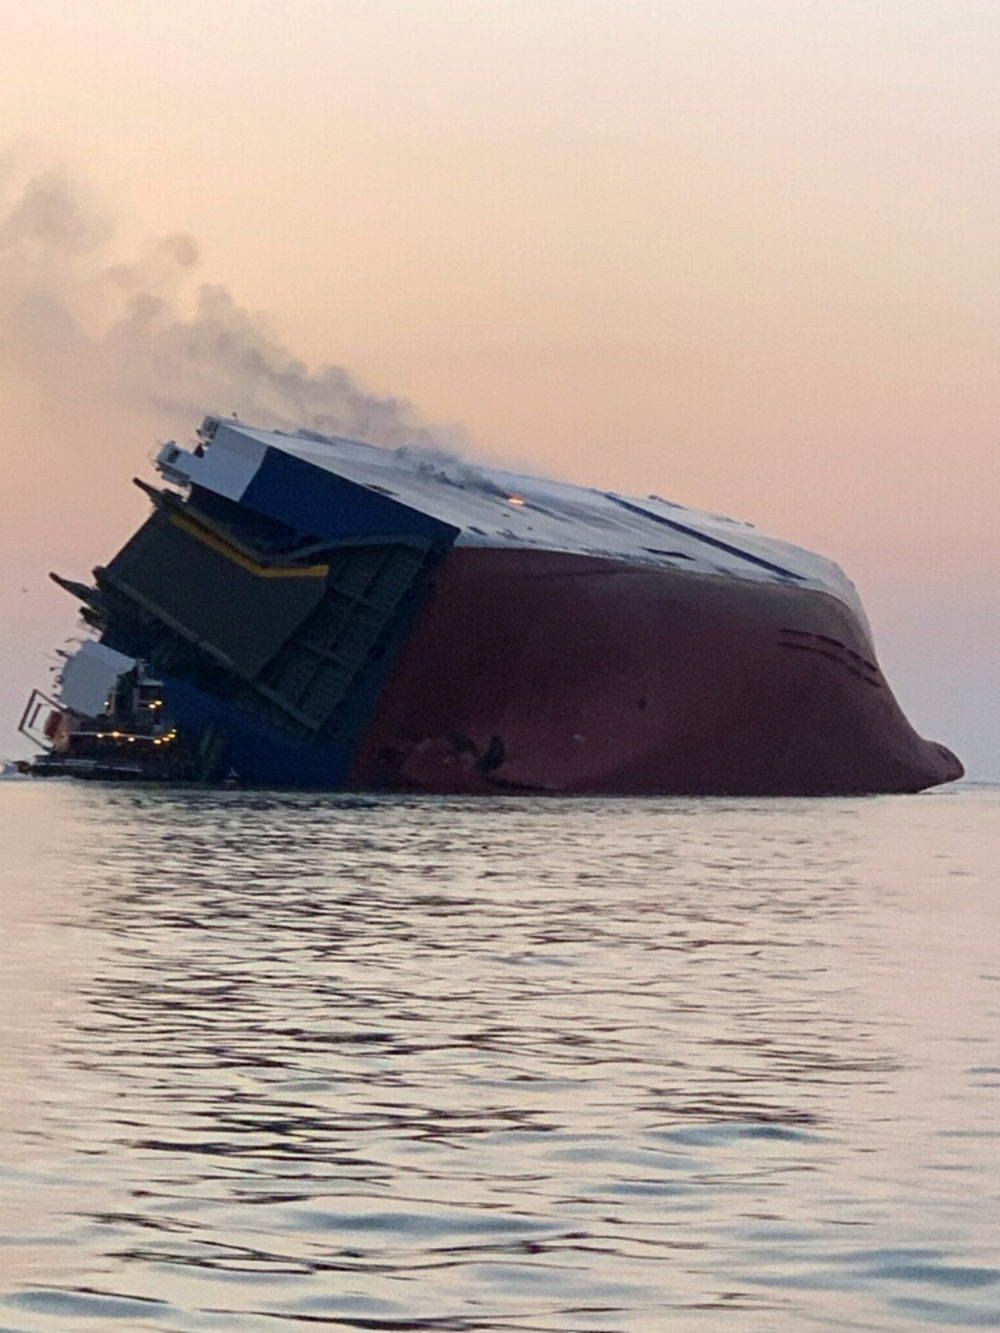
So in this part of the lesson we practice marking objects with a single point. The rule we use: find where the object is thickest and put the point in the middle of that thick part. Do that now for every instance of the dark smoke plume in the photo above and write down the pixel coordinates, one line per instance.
(148, 335)
(99, 360)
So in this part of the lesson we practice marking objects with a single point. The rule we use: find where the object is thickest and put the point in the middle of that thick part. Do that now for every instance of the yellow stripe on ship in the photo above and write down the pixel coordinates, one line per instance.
(217, 543)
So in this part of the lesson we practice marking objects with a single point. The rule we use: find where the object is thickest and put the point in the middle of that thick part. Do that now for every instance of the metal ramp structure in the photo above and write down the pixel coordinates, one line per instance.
(295, 629)
(312, 675)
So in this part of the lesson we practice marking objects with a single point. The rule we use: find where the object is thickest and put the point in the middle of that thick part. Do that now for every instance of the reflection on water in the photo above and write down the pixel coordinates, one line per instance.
(280, 1061)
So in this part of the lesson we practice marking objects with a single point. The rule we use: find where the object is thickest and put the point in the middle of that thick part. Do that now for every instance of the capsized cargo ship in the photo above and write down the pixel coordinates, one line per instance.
(313, 611)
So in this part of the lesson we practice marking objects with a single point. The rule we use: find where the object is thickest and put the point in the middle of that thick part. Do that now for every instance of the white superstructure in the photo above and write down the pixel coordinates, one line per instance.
(496, 508)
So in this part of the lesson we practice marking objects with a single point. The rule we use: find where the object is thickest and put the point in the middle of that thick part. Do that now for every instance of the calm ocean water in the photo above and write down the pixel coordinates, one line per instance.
(281, 1062)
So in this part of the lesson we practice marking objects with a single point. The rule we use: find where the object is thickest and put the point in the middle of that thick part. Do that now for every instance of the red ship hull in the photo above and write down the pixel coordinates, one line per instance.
(563, 673)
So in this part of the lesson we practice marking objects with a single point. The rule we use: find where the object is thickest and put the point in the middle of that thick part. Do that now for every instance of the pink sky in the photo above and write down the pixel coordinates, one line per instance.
(742, 254)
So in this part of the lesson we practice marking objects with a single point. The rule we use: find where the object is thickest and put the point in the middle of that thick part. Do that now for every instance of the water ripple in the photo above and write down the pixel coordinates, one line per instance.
(279, 1061)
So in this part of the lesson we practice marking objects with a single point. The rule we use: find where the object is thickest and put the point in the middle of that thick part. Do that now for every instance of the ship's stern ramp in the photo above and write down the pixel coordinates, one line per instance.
(272, 620)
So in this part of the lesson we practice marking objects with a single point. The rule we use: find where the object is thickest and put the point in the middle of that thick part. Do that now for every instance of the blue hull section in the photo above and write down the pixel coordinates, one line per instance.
(258, 679)
(322, 505)
(251, 749)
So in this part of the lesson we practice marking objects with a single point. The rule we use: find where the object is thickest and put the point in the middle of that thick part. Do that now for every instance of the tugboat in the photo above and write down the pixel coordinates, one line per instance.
(109, 722)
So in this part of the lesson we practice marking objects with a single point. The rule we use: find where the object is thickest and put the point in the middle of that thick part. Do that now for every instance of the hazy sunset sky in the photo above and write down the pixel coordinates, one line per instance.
(741, 253)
